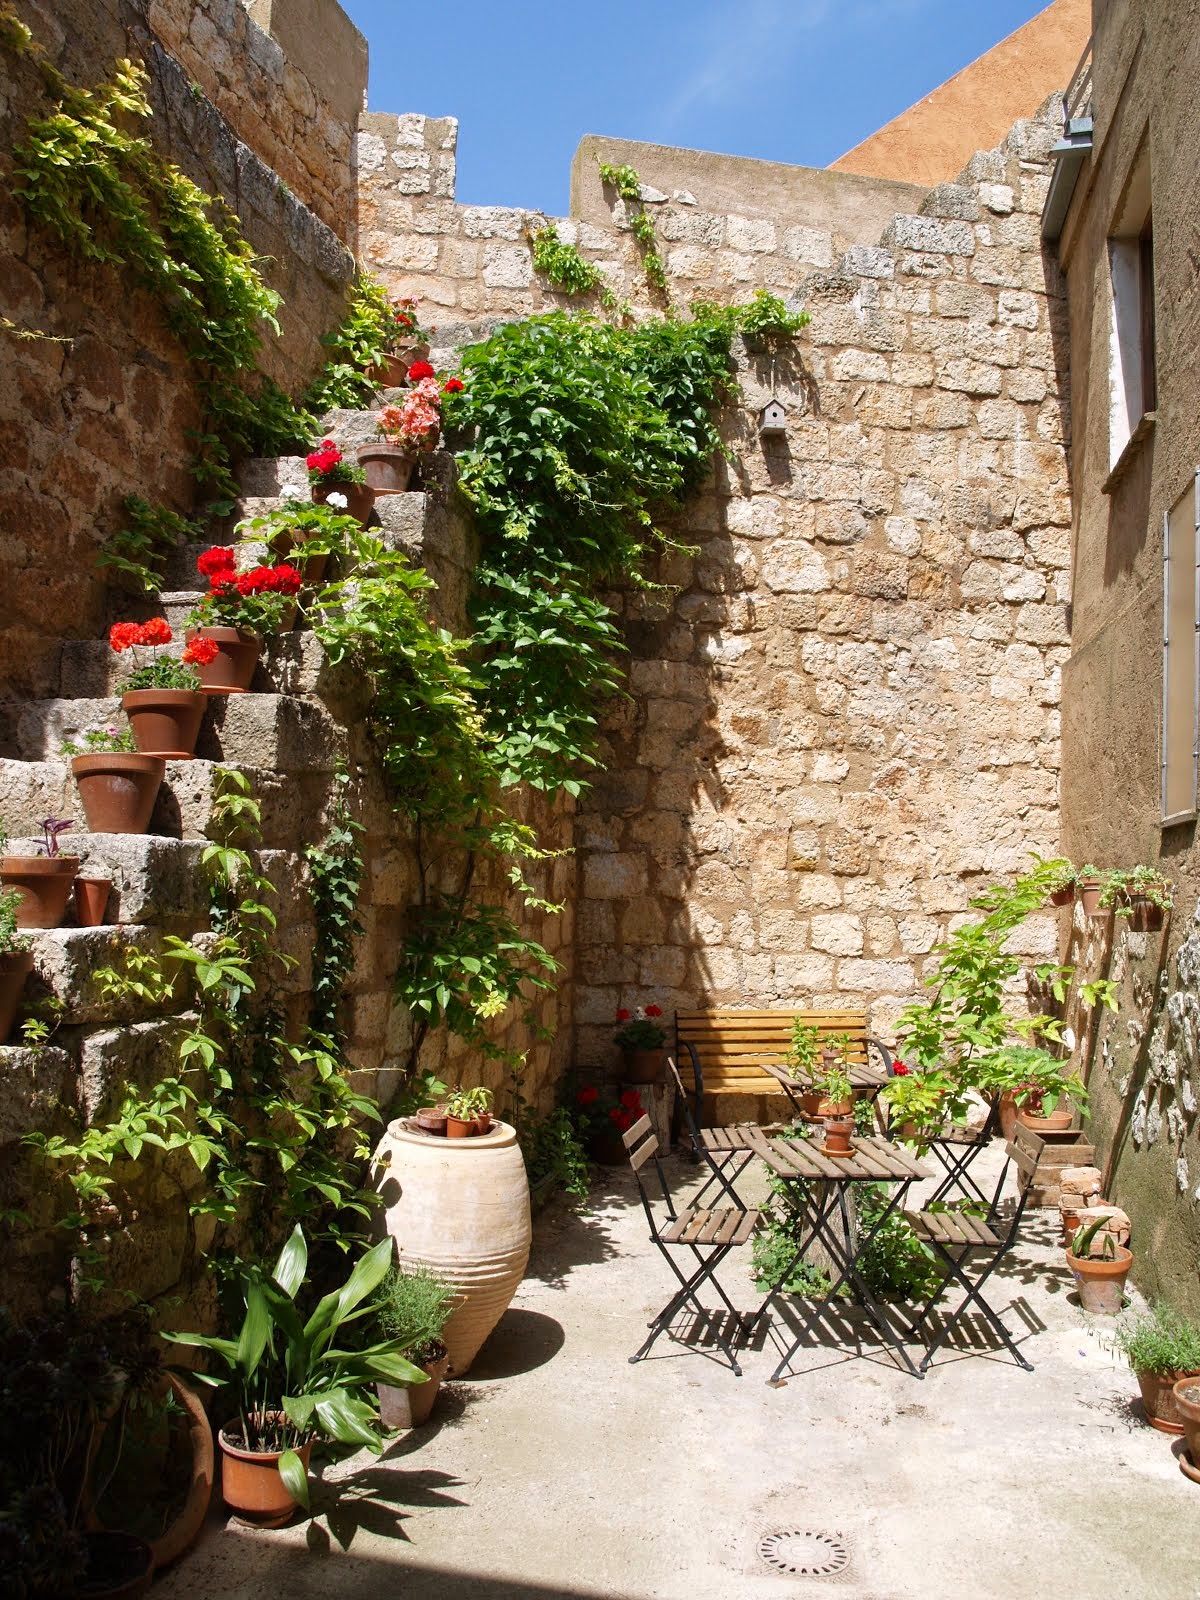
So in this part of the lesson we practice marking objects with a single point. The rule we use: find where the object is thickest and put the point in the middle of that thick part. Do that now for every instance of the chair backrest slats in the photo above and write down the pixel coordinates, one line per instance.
(632, 1135)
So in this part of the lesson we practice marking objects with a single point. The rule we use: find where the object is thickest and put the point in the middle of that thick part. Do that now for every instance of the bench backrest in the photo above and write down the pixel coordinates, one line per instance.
(733, 1045)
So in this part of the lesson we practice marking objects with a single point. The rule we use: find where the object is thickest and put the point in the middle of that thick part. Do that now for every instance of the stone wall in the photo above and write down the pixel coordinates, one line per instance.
(103, 407)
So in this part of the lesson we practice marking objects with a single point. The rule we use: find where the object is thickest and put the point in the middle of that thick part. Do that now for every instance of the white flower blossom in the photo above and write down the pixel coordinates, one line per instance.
(338, 500)
(290, 492)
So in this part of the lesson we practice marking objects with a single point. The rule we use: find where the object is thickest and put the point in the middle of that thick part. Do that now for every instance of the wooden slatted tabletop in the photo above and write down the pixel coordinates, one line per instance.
(861, 1077)
(875, 1160)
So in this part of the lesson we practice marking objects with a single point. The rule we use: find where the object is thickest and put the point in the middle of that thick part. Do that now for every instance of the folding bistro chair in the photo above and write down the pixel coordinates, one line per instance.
(708, 1233)
(971, 1248)
(955, 1152)
(720, 1148)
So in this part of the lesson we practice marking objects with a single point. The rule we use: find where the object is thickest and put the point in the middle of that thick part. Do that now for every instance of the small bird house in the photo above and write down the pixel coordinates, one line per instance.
(772, 420)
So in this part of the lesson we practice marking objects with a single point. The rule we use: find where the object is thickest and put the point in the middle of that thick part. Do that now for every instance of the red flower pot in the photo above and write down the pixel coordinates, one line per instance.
(389, 467)
(91, 901)
(251, 1486)
(360, 497)
(118, 790)
(232, 669)
(44, 884)
(165, 722)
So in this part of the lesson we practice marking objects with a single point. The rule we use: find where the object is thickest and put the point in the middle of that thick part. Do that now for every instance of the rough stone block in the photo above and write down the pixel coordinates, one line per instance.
(31, 790)
(66, 959)
(276, 731)
(952, 201)
(33, 1084)
(930, 236)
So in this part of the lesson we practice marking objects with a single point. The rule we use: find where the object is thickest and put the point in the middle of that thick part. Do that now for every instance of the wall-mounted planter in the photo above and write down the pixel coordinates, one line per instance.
(1089, 897)
(642, 1066)
(165, 722)
(1144, 915)
(44, 884)
(117, 789)
(232, 668)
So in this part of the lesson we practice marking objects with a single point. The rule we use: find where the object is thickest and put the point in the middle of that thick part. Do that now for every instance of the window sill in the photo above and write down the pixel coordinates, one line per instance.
(1125, 460)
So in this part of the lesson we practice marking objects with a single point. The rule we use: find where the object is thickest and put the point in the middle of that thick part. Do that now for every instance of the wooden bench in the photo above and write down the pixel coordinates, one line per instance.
(742, 1054)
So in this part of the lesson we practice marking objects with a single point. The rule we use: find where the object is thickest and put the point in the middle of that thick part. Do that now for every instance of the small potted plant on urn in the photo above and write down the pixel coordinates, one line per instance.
(640, 1038)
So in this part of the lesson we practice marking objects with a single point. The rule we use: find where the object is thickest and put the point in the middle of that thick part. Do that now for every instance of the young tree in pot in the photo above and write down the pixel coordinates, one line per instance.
(640, 1039)
(117, 784)
(239, 608)
(1099, 1266)
(803, 1055)
(162, 697)
(330, 474)
(836, 1104)
(1162, 1346)
(294, 1381)
(42, 882)
(16, 962)
(413, 1309)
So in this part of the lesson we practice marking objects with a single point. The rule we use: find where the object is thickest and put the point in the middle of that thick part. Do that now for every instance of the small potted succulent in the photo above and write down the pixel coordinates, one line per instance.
(16, 962)
(413, 1309)
(162, 697)
(836, 1103)
(239, 608)
(1162, 1346)
(117, 784)
(1061, 880)
(338, 482)
(406, 342)
(1099, 1266)
(294, 1379)
(468, 1113)
(43, 881)
(407, 431)
(640, 1038)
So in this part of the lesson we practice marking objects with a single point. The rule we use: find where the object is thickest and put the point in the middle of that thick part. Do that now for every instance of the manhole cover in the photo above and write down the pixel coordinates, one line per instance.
(805, 1552)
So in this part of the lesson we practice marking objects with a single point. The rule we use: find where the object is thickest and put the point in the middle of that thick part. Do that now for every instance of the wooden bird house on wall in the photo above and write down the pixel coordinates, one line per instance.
(772, 420)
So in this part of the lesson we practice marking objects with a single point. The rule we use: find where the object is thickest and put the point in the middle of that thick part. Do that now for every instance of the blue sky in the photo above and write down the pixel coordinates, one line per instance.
(784, 80)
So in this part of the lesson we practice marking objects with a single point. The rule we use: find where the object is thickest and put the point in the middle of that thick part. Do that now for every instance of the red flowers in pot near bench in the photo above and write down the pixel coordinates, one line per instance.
(239, 608)
(162, 696)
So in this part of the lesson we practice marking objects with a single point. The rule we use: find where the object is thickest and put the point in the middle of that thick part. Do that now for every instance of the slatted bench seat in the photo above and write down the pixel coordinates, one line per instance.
(738, 1057)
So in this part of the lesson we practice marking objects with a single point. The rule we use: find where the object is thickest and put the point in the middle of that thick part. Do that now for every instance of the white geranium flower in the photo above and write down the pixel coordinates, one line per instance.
(290, 492)
(338, 500)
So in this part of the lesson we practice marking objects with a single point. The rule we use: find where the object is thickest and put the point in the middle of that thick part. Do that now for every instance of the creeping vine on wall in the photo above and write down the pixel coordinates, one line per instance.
(625, 181)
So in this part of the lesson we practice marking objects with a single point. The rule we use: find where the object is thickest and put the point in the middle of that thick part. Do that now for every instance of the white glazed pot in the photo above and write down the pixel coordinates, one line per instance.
(461, 1208)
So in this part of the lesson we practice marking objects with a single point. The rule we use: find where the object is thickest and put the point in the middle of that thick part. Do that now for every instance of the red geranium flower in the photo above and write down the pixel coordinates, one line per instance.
(403, 318)
(200, 653)
(419, 370)
(899, 1070)
(654, 1011)
(322, 459)
(287, 579)
(156, 631)
(122, 635)
(622, 1015)
(453, 386)
(218, 559)
(631, 1100)
(623, 1120)
(588, 1095)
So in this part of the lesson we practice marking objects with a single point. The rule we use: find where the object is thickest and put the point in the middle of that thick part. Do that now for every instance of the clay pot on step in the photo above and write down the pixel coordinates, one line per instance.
(118, 790)
(1100, 1281)
(251, 1486)
(392, 371)
(642, 1066)
(461, 1208)
(231, 670)
(410, 1406)
(1186, 1393)
(1158, 1398)
(389, 467)
(91, 901)
(15, 967)
(44, 884)
(165, 722)
(360, 497)
(1089, 897)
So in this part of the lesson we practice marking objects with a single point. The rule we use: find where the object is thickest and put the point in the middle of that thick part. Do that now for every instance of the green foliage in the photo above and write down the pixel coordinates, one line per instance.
(565, 268)
(280, 1363)
(412, 1310)
(554, 1152)
(164, 673)
(136, 555)
(335, 872)
(804, 1049)
(360, 342)
(1161, 1341)
(11, 942)
(628, 185)
(463, 1104)
(766, 320)
(100, 741)
(895, 1264)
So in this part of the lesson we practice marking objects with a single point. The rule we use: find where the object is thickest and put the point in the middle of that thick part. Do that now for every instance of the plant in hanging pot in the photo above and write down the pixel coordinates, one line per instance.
(641, 1038)
(239, 608)
(1091, 884)
(16, 962)
(468, 1113)
(1162, 1346)
(42, 882)
(413, 1309)
(1147, 899)
(329, 473)
(1099, 1266)
(404, 342)
(117, 784)
(1061, 880)
(294, 1379)
(162, 697)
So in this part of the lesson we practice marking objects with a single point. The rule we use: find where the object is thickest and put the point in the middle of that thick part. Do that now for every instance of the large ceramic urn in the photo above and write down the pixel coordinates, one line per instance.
(461, 1208)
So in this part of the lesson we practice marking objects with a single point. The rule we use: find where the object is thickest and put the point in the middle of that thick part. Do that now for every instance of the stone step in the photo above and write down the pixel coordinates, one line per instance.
(154, 879)
(291, 663)
(280, 731)
(292, 804)
(36, 1083)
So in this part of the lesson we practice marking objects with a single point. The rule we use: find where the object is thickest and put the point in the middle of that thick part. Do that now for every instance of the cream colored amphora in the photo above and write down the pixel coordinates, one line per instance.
(461, 1208)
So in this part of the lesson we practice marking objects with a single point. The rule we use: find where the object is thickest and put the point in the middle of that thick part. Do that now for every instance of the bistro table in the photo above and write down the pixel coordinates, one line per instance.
(824, 1207)
(864, 1078)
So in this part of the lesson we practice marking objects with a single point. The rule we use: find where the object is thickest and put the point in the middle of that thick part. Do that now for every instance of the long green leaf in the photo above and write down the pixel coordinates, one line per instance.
(292, 1264)
(295, 1479)
(346, 1420)
(256, 1331)
(368, 1274)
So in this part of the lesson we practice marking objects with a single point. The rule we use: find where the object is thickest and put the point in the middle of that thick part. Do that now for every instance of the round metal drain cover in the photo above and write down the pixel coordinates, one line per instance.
(804, 1552)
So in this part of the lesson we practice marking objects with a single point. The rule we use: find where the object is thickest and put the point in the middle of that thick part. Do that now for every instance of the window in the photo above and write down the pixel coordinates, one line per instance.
(1181, 656)
(1133, 383)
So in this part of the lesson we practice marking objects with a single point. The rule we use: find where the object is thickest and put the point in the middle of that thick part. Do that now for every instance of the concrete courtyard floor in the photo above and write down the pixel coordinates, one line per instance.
(557, 1469)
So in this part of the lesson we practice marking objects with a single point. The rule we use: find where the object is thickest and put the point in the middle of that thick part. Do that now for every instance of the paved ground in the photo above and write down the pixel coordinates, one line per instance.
(559, 1470)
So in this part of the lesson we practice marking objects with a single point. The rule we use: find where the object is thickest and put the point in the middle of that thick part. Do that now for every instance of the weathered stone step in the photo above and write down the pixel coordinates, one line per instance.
(280, 731)
(35, 1085)
(291, 663)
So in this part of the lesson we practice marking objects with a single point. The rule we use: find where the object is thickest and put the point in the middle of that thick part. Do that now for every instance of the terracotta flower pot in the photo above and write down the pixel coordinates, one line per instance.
(410, 1406)
(15, 967)
(810, 1105)
(430, 1120)
(1144, 915)
(118, 790)
(1089, 897)
(389, 467)
(360, 497)
(233, 667)
(251, 1486)
(460, 1127)
(838, 1131)
(1100, 1282)
(283, 545)
(44, 884)
(1186, 1394)
(165, 722)
(1158, 1398)
(642, 1066)
(1052, 1122)
(91, 901)
(392, 371)
(1064, 896)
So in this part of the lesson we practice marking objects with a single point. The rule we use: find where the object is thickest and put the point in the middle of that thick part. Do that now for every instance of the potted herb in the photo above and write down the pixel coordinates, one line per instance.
(836, 1103)
(407, 431)
(16, 961)
(162, 697)
(802, 1057)
(294, 1380)
(1162, 1346)
(117, 784)
(468, 1113)
(1061, 879)
(413, 1309)
(405, 342)
(42, 881)
(1099, 1266)
(329, 473)
(640, 1039)
(239, 608)
(1147, 899)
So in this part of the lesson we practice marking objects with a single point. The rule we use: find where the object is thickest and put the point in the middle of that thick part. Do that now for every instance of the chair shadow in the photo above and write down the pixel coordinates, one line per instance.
(568, 1234)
